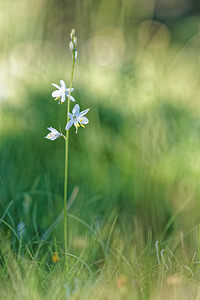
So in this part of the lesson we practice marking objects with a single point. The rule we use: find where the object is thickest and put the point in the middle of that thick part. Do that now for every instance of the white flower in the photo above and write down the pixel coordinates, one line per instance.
(53, 134)
(61, 92)
(77, 118)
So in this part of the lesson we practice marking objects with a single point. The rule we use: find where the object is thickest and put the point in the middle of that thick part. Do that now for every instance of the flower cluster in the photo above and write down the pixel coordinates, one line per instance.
(73, 44)
(75, 118)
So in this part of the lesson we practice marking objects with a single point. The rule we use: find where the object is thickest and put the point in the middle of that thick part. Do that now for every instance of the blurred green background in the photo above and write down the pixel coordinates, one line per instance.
(138, 69)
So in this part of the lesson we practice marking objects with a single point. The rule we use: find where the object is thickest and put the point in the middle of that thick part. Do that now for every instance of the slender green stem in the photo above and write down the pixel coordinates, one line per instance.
(66, 162)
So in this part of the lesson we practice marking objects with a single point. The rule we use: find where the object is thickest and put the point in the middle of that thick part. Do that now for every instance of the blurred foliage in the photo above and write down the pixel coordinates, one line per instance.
(138, 71)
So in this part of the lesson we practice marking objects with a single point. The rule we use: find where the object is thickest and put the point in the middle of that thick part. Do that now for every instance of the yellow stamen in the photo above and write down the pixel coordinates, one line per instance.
(82, 125)
(55, 258)
(78, 125)
(58, 98)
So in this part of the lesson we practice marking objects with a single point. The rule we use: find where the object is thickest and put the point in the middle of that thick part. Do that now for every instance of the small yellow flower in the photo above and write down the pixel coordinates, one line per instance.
(55, 258)
(122, 281)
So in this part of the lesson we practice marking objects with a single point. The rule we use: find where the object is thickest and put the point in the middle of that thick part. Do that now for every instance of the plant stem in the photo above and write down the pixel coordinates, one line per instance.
(66, 162)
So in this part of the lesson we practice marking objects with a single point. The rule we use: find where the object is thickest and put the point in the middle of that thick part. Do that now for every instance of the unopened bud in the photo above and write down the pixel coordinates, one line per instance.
(75, 41)
(72, 34)
(71, 46)
(75, 54)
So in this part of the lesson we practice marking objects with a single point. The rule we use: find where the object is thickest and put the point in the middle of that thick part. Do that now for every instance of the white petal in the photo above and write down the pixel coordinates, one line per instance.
(56, 94)
(83, 120)
(72, 99)
(54, 131)
(63, 85)
(51, 129)
(62, 98)
(48, 136)
(51, 136)
(84, 112)
(69, 124)
(68, 90)
(56, 86)
(76, 109)
(70, 115)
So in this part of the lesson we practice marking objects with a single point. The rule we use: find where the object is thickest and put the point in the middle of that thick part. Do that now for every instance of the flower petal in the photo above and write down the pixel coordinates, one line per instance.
(56, 86)
(70, 115)
(72, 99)
(62, 98)
(84, 112)
(83, 120)
(54, 134)
(69, 124)
(51, 136)
(63, 85)
(52, 130)
(68, 90)
(76, 109)
(56, 94)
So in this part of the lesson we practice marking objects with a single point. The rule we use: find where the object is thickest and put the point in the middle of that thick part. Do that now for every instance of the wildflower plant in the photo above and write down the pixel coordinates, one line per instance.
(76, 118)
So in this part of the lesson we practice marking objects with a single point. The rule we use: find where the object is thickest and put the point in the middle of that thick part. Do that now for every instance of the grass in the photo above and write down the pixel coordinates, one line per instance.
(106, 266)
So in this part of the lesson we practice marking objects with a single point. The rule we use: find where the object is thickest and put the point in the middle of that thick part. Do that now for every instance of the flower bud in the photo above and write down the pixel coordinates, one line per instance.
(72, 34)
(71, 46)
(75, 54)
(75, 41)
